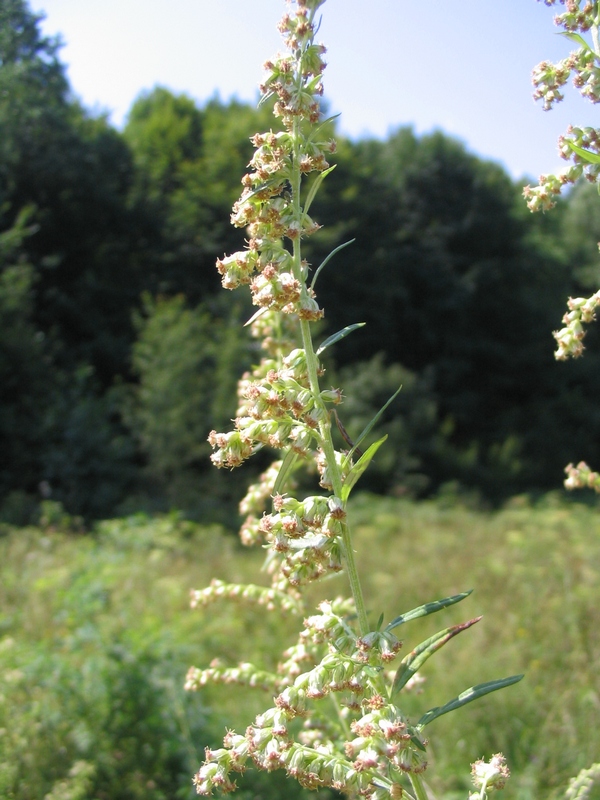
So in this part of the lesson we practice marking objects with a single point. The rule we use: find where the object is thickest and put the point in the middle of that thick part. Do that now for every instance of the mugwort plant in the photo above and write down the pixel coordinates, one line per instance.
(580, 146)
(336, 718)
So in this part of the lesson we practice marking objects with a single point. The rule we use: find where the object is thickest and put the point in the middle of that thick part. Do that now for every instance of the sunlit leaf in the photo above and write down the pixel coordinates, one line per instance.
(335, 337)
(411, 663)
(576, 37)
(315, 187)
(320, 127)
(360, 466)
(467, 697)
(255, 316)
(587, 155)
(369, 427)
(426, 609)
(327, 259)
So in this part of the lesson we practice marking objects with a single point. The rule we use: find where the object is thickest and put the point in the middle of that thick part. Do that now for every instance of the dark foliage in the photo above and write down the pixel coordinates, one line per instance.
(459, 285)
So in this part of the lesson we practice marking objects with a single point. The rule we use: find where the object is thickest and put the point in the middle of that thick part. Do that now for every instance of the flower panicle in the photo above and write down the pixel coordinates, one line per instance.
(569, 339)
(579, 146)
(581, 477)
(245, 674)
(489, 776)
(249, 594)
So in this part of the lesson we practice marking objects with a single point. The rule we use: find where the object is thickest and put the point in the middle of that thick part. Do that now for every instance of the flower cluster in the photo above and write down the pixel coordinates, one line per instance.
(543, 196)
(385, 741)
(373, 764)
(575, 17)
(245, 674)
(277, 410)
(548, 78)
(489, 775)
(249, 594)
(581, 146)
(580, 787)
(581, 477)
(569, 339)
(267, 208)
(578, 145)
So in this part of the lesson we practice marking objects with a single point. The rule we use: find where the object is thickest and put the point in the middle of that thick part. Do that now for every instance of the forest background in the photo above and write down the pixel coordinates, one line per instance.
(119, 351)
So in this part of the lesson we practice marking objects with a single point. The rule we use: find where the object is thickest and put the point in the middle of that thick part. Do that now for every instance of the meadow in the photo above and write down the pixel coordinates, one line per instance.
(96, 636)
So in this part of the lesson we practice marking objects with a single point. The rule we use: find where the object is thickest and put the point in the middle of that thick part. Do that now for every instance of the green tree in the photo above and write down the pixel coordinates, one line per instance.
(187, 361)
(410, 422)
(456, 279)
(27, 381)
(188, 166)
(76, 171)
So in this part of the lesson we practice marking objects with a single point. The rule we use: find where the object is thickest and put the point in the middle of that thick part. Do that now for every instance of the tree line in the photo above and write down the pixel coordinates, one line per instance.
(119, 351)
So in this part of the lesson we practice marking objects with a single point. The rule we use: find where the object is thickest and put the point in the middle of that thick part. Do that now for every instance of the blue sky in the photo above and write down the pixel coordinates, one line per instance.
(463, 66)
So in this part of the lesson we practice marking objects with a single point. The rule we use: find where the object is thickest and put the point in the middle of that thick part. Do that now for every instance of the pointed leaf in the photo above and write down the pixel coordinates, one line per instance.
(368, 428)
(467, 697)
(587, 155)
(287, 467)
(335, 337)
(360, 466)
(415, 659)
(327, 259)
(419, 744)
(427, 608)
(319, 128)
(255, 316)
(578, 39)
(265, 97)
(315, 187)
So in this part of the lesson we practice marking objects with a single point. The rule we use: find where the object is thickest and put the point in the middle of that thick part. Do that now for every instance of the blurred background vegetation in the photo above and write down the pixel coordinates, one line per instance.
(96, 636)
(119, 351)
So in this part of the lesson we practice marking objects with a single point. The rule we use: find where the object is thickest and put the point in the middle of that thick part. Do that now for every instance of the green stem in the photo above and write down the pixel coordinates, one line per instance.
(336, 478)
(325, 424)
(343, 722)
(417, 784)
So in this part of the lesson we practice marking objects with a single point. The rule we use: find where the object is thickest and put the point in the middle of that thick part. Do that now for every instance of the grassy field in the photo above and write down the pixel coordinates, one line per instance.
(96, 636)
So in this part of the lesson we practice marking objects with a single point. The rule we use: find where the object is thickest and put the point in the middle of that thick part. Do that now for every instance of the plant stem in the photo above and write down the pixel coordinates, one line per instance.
(312, 366)
(336, 478)
(418, 786)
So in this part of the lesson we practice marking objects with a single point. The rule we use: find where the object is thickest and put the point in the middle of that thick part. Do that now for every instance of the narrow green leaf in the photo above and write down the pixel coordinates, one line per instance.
(379, 621)
(368, 428)
(335, 337)
(287, 467)
(467, 697)
(360, 466)
(315, 187)
(319, 128)
(265, 97)
(587, 155)
(255, 316)
(327, 259)
(426, 609)
(419, 744)
(578, 39)
(415, 659)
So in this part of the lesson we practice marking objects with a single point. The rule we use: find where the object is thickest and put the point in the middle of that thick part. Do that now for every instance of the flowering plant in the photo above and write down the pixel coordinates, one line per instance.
(336, 719)
(581, 147)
